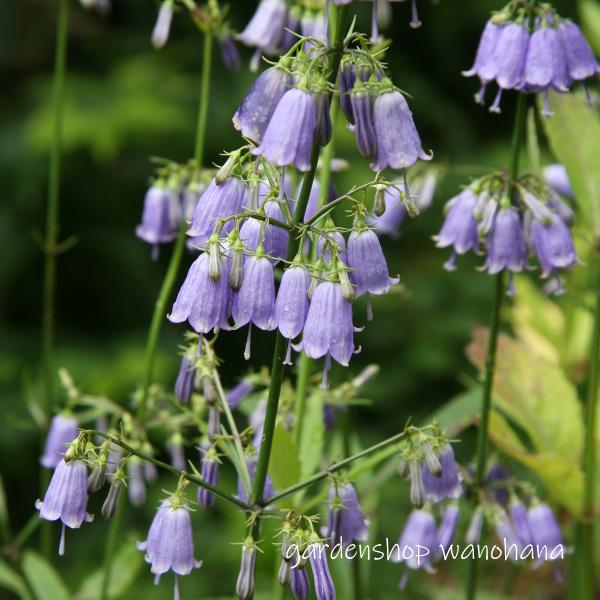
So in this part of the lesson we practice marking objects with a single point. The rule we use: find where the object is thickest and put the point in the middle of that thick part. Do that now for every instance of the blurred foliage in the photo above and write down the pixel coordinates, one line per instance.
(125, 103)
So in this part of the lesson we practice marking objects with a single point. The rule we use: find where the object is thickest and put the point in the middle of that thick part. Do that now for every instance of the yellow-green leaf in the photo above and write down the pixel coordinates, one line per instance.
(43, 578)
(284, 466)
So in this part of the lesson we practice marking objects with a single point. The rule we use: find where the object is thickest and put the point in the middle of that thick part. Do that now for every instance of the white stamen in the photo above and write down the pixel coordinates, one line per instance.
(248, 342)
(369, 308)
(61, 544)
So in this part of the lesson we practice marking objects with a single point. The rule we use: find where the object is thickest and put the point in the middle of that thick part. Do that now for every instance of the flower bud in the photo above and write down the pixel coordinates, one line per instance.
(237, 264)
(214, 259)
(315, 278)
(112, 499)
(433, 462)
(225, 171)
(475, 526)
(417, 492)
(97, 477)
(214, 423)
(379, 201)
(245, 582)
(347, 289)
(284, 575)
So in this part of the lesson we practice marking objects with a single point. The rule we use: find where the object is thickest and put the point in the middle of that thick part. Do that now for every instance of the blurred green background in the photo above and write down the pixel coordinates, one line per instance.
(124, 103)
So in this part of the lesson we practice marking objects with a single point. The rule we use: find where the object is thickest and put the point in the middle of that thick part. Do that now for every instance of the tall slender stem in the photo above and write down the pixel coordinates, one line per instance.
(52, 232)
(490, 364)
(589, 499)
(277, 368)
(109, 552)
(52, 209)
(160, 305)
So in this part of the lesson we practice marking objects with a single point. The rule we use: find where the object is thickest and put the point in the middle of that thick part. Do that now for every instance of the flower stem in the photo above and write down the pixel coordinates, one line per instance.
(490, 364)
(50, 246)
(277, 368)
(339, 466)
(589, 498)
(167, 467)
(109, 552)
(160, 306)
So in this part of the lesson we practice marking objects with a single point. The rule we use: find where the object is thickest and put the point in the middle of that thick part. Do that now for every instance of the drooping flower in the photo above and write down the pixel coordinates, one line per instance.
(338, 241)
(557, 178)
(217, 202)
(460, 227)
(229, 53)
(417, 541)
(265, 28)
(473, 533)
(291, 306)
(255, 301)
(257, 108)
(447, 484)
(201, 300)
(177, 452)
(546, 64)
(581, 62)
(447, 528)
(289, 136)
(347, 79)
(170, 545)
(346, 522)
(251, 463)
(184, 384)
(160, 218)
(398, 141)
(362, 112)
(520, 522)
(299, 583)
(484, 66)
(66, 497)
(109, 506)
(136, 484)
(496, 481)
(324, 127)
(545, 532)
(62, 431)
(553, 244)
(510, 60)
(160, 33)
(276, 238)
(506, 533)
(324, 586)
(245, 582)
(367, 261)
(506, 245)
(238, 393)
(314, 24)
(328, 330)
(209, 470)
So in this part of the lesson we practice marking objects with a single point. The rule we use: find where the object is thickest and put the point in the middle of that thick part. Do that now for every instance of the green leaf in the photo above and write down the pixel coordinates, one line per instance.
(284, 467)
(460, 412)
(589, 10)
(12, 581)
(560, 475)
(43, 578)
(125, 568)
(313, 435)
(574, 135)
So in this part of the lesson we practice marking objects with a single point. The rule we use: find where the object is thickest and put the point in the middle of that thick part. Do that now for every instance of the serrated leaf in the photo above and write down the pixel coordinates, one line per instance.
(125, 568)
(43, 578)
(313, 435)
(284, 466)
(574, 135)
(562, 477)
(535, 394)
(12, 581)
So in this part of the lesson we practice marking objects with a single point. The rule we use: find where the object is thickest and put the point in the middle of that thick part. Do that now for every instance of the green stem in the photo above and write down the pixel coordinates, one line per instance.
(339, 466)
(167, 467)
(490, 364)
(52, 232)
(160, 306)
(305, 367)
(111, 542)
(52, 225)
(589, 499)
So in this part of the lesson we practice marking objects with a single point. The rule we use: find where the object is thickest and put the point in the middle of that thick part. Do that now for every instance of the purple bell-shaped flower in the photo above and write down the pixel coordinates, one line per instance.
(160, 218)
(289, 136)
(346, 522)
(447, 483)
(324, 586)
(62, 431)
(417, 541)
(257, 108)
(265, 28)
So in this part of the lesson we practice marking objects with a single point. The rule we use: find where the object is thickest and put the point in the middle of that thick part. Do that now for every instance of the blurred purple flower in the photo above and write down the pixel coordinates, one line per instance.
(62, 431)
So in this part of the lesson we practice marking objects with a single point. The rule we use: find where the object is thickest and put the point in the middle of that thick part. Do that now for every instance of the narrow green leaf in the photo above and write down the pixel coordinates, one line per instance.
(459, 413)
(284, 467)
(4, 517)
(12, 581)
(125, 568)
(313, 435)
(43, 578)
